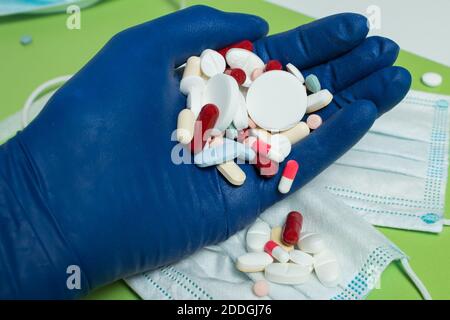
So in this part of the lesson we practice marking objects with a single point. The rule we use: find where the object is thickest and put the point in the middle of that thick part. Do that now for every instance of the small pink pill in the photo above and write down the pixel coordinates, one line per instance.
(314, 121)
(256, 73)
(261, 288)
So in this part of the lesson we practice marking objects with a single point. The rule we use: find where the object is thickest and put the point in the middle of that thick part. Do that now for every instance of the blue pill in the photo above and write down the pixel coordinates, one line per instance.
(313, 83)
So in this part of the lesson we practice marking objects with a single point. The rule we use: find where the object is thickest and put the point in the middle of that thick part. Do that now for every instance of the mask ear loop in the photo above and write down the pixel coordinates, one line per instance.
(38, 92)
(415, 279)
(446, 222)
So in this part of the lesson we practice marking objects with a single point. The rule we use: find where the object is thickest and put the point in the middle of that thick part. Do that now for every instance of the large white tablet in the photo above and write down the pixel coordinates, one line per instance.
(276, 101)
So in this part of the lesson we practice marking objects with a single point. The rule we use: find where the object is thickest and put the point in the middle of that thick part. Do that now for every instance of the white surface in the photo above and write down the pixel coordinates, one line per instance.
(420, 27)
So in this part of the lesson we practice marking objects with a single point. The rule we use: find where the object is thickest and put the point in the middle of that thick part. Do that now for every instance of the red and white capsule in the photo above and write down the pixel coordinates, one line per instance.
(264, 149)
(276, 251)
(289, 173)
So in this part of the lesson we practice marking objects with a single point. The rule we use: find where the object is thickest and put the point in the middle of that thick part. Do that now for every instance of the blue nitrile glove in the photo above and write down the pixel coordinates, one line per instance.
(91, 182)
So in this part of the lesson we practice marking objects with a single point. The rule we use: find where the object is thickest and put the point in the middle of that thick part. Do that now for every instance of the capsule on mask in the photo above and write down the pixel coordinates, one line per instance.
(292, 228)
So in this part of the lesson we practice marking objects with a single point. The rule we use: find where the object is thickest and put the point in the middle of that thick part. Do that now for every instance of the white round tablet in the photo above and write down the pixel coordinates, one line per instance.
(223, 91)
(276, 101)
(432, 79)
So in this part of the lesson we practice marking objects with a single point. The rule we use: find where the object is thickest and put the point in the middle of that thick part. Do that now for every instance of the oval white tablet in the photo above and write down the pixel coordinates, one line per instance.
(257, 236)
(432, 79)
(253, 262)
(212, 63)
(222, 90)
(311, 243)
(287, 273)
(294, 70)
(245, 60)
(302, 258)
(327, 268)
(276, 101)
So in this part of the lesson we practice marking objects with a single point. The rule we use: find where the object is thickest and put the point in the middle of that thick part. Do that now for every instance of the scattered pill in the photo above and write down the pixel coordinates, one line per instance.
(223, 91)
(314, 121)
(206, 120)
(240, 119)
(287, 273)
(245, 60)
(327, 268)
(266, 167)
(256, 73)
(265, 149)
(192, 67)
(246, 45)
(312, 83)
(185, 127)
(276, 234)
(318, 100)
(26, 40)
(297, 133)
(432, 79)
(302, 258)
(282, 144)
(276, 88)
(212, 63)
(292, 228)
(232, 172)
(294, 70)
(273, 65)
(238, 75)
(261, 134)
(214, 155)
(261, 288)
(253, 262)
(311, 243)
(288, 177)
(257, 236)
(276, 251)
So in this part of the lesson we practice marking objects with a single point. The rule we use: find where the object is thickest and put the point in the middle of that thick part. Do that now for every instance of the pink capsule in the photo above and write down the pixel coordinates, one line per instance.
(289, 173)
(276, 251)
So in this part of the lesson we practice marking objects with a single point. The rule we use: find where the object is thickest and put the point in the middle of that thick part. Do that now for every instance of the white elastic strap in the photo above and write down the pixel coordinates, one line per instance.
(415, 279)
(446, 222)
(37, 92)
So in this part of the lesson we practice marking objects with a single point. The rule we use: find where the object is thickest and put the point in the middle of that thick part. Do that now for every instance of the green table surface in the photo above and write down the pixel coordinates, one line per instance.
(56, 51)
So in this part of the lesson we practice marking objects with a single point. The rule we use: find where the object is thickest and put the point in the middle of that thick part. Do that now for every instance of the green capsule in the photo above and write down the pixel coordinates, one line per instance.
(313, 83)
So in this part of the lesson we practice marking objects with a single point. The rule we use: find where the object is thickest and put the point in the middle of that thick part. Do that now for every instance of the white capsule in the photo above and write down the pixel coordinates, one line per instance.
(311, 243)
(245, 60)
(212, 63)
(318, 100)
(302, 258)
(327, 268)
(257, 236)
(295, 71)
(253, 262)
(287, 273)
(185, 127)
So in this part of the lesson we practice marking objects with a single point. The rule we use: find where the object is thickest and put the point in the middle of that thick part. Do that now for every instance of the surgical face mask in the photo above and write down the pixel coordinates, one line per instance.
(396, 175)
(362, 251)
(9, 7)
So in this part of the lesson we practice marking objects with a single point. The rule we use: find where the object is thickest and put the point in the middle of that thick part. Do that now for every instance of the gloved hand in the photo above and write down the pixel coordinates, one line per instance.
(91, 182)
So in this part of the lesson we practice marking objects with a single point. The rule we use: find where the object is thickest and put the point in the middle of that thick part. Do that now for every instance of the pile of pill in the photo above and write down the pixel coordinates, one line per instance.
(240, 109)
(293, 266)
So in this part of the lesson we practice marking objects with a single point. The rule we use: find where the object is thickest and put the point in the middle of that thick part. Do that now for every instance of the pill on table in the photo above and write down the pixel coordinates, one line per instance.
(265, 149)
(273, 65)
(318, 100)
(212, 63)
(287, 273)
(256, 73)
(253, 262)
(26, 40)
(312, 83)
(297, 133)
(257, 236)
(240, 119)
(275, 235)
(223, 91)
(276, 101)
(219, 154)
(238, 75)
(292, 228)
(245, 60)
(282, 144)
(246, 45)
(261, 288)
(431, 79)
(203, 125)
(287, 179)
(185, 126)
(302, 258)
(314, 121)
(327, 268)
(232, 172)
(311, 243)
(276, 251)
(296, 72)
(267, 168)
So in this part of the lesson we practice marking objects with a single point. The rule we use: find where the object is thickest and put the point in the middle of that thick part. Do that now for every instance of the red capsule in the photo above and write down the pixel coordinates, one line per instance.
(292, 228)
(274, 65)
(205, 123)
(238, 74)
(246, 44)
(266, 167)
